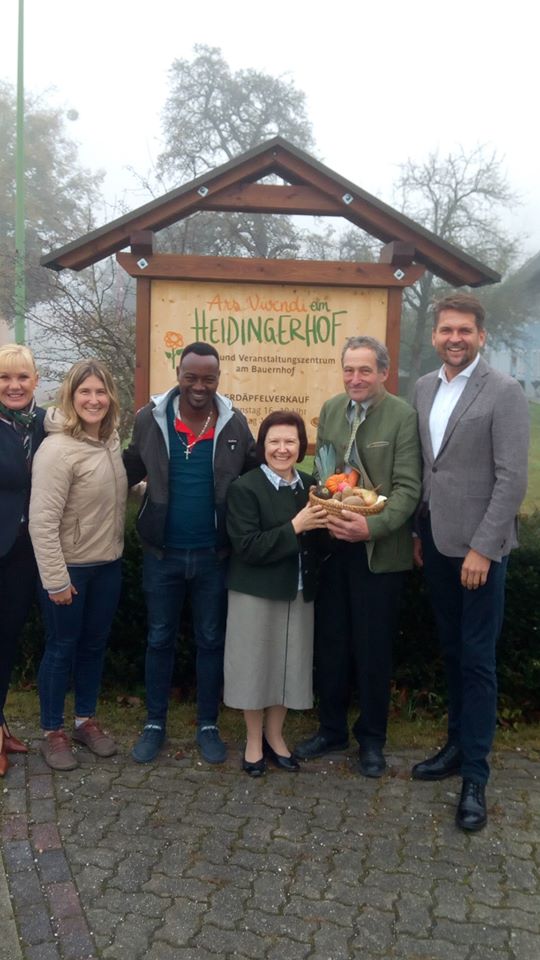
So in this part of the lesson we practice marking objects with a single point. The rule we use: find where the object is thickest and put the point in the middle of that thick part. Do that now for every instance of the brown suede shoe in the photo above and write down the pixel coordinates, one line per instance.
(57, 751)
(93, 737)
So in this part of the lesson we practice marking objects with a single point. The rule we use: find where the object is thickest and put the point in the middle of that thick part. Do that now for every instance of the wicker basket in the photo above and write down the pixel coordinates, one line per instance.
(336, 506)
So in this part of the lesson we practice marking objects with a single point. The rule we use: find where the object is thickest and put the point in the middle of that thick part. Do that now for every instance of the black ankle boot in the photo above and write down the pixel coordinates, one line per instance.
(471, 812)
(445, 763)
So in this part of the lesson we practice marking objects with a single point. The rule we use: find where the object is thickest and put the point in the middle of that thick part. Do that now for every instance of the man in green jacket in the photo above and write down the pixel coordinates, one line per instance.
(357, 609)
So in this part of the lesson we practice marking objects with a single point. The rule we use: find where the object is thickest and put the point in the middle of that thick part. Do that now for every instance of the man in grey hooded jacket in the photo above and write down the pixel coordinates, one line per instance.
(189, 444)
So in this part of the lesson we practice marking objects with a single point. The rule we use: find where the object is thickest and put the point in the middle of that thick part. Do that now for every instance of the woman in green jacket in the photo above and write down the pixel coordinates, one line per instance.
(269, 640)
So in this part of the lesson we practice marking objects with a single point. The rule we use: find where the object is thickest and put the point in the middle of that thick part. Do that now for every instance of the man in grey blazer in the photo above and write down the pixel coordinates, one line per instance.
(474, 431)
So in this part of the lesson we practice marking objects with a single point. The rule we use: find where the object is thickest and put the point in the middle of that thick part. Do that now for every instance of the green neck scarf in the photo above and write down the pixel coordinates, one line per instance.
(23, 418)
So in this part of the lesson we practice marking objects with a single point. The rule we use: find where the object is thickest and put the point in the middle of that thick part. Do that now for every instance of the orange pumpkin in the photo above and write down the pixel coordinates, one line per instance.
(336, 481)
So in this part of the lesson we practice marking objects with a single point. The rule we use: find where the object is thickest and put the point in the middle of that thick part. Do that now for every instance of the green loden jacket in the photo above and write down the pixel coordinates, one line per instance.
(389, 447)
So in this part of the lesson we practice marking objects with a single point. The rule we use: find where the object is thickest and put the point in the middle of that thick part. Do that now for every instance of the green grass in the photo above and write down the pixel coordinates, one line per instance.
(532, 499)
(124, 716)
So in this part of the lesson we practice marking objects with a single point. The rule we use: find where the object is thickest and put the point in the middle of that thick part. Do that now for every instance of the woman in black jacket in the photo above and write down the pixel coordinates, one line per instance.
(269, 640)
(21, 432)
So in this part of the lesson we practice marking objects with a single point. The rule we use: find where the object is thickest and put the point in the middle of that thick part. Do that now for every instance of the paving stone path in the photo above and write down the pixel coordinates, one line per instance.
(181, 861)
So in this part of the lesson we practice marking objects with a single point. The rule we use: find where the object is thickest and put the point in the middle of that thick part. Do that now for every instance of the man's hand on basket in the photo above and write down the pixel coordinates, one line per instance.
(348, 526)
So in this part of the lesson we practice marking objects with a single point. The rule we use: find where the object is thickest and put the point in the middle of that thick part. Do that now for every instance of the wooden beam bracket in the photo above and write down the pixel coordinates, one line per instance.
(400, 253)
(142, 243)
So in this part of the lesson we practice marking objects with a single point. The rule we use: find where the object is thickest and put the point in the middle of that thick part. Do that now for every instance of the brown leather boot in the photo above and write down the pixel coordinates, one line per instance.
(13, 744)
(4, 762)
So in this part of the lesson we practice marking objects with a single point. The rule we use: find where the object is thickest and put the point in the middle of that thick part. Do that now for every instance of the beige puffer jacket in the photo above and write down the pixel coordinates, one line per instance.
(78, 502)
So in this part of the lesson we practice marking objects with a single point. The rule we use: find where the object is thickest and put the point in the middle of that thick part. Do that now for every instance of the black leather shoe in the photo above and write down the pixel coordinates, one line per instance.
(317, 746)
(289, 763)
(256, 769)
(371, 762)
(445, 763)
(471, 812)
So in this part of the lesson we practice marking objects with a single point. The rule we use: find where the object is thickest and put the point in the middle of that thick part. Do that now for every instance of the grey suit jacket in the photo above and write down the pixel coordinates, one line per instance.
(478, 479)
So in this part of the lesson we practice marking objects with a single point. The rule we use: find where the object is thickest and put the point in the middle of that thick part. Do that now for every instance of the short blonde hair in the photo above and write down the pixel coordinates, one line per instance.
(14, 355)
(78, 373)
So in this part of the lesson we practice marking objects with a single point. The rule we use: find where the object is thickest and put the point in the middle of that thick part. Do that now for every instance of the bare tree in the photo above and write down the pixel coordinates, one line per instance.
(90, 314)
(59, 192)
(211, 116)
(459, 197)
(331, 240)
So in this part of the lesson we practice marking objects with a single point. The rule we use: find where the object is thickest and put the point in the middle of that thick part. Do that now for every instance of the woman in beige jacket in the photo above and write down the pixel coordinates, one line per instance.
(77, 511)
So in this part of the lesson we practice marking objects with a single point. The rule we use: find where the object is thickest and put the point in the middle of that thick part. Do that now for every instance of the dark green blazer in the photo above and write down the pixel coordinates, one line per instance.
(389, 448)
(264, 561)
(15, 479)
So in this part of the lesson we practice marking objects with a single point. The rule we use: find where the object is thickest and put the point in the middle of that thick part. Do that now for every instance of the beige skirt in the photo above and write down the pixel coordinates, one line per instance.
(268, 653)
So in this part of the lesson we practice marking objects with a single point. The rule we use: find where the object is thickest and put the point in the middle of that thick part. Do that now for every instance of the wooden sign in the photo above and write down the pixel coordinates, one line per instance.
(279, 345)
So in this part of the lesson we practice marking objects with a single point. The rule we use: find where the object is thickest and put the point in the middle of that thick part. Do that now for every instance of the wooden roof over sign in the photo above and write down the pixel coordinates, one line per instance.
(310, 188)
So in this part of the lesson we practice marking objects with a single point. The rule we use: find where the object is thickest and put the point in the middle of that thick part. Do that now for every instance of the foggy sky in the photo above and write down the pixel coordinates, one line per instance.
(382, 84)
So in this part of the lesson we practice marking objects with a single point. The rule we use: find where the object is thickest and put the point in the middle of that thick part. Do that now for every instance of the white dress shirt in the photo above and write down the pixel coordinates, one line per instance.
(445, 400)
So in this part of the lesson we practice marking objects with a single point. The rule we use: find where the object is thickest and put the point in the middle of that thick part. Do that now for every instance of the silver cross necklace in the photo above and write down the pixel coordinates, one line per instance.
(189, 446)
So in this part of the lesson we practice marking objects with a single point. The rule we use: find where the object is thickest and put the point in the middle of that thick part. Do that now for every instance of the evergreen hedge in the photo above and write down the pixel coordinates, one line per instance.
(418, 670)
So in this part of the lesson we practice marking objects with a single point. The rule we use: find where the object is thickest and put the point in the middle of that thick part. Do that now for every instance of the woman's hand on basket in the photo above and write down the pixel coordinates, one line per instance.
(311, 517)
(348, 526)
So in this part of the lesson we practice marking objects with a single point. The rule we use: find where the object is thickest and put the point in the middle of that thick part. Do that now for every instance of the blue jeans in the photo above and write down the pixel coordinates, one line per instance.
(76, 640)
(469, 623)
(166, 582)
